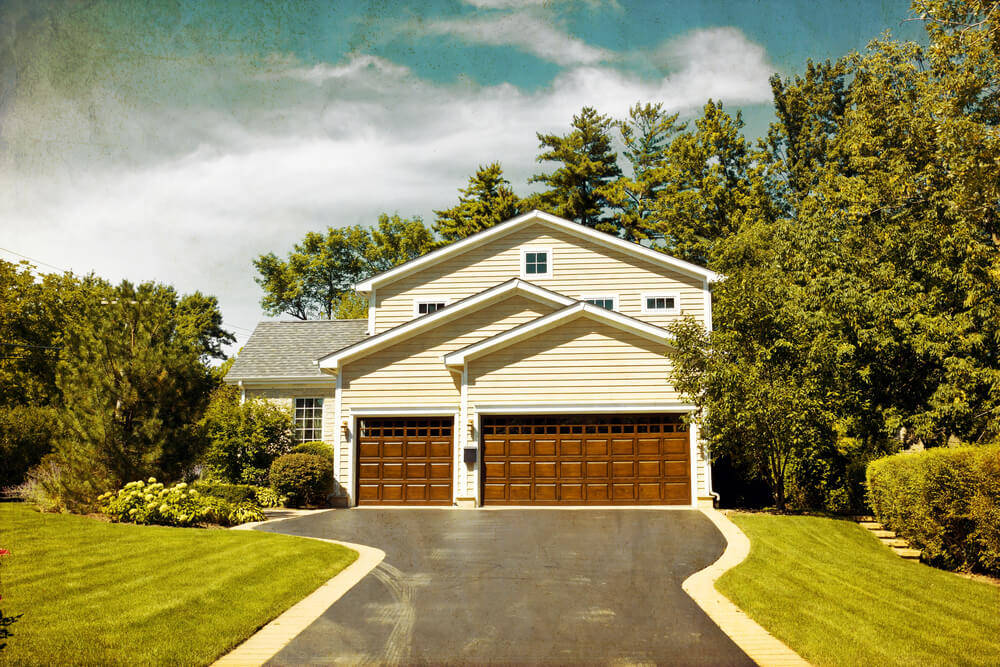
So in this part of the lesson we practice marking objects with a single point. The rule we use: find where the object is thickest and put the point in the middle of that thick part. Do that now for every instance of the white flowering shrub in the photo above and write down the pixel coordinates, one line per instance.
(151, 502)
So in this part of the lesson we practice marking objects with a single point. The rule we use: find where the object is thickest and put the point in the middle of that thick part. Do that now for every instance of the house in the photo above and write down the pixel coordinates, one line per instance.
(524, 365)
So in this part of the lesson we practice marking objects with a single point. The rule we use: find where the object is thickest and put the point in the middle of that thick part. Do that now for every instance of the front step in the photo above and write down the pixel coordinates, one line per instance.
(894, 542)
(871, 525)
(889, 534)
(907, 553)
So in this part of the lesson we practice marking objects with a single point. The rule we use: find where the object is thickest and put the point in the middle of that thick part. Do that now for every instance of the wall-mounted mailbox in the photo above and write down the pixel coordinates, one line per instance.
(470, 454)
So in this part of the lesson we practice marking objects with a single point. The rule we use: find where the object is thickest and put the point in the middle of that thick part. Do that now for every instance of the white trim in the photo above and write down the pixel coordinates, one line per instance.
(443, 300)
(708, 307)
(463, 436)
(524, 260)
(243, 392)
(371, 313)
(693, 437)
(581, 408)
(338, 417)
(334, 360)
(538, 325)
(603, 295)
(676, 296)
(418, 411)
(508, 226)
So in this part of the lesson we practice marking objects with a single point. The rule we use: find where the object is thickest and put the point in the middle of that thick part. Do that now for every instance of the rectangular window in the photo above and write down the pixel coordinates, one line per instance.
(536, 263)
(428, 307)
(308, 419)
(660, 303)
(608, 301)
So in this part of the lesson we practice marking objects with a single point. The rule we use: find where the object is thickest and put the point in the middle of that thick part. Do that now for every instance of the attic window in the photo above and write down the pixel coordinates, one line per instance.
(665, 304)
(608, 301)
(428, 306)
(536, 263)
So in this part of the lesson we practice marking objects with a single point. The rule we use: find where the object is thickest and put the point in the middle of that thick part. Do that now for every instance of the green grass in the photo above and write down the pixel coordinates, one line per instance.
(99, 593)
(833, 593)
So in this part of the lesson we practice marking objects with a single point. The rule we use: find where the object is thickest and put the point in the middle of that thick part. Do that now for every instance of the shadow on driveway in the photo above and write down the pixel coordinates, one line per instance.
(565, 586)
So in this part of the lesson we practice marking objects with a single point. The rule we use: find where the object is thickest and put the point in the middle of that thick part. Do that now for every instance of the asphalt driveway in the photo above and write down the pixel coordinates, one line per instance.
(515, 586)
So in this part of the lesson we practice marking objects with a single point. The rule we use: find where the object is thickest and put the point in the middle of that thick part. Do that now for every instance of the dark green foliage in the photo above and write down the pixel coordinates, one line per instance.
(316, 279)
(945, 501)
(306, 479)
(244, 438)
(232, 493)
(26, 435)
(587, 166)
(316, 447)
(487, 200)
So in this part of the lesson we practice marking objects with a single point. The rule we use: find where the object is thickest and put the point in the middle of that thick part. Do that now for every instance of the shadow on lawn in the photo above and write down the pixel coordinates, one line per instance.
(5, 623)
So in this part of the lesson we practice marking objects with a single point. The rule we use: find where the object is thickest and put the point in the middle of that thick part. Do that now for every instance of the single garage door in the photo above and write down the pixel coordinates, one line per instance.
(586, 460)
(405, 461)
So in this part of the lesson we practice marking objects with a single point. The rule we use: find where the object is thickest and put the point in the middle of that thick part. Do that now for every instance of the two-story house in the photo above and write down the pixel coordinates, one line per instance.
(524, 365)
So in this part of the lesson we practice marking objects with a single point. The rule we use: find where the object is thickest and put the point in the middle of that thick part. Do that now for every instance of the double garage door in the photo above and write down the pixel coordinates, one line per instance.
(639, 459)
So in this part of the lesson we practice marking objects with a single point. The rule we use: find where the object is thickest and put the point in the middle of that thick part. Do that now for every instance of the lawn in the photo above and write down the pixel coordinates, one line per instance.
(98, 593)
(833, 593)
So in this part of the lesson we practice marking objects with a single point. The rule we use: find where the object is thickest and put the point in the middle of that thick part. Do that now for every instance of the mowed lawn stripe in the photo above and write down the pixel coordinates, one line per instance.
(95, 592)
(838, 597)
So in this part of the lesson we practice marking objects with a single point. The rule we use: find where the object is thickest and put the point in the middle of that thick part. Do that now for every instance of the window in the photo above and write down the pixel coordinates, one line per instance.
(428, 306)
(608, 301)
(308, 419)
(661, 303)
(536, 263)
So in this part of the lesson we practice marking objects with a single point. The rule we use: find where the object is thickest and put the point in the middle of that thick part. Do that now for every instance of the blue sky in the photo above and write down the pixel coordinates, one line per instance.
(176, 141)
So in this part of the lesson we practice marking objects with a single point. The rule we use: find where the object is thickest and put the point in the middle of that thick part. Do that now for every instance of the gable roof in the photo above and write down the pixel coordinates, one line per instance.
(552, 320)
(450, 312)
(288, 350)
(536, 216)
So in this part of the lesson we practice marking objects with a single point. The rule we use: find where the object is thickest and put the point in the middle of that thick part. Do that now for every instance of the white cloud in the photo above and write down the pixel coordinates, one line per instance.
(532, 34)
(191, 195)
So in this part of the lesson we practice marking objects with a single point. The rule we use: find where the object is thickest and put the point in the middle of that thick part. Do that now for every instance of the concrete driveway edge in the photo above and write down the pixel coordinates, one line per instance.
(276, 635)
(762, 647)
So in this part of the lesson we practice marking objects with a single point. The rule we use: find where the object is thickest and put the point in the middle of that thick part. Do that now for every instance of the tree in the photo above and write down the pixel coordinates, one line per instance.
(576, 188)
(133, 388)
(318, 276)
(487, 201)
(646, 135)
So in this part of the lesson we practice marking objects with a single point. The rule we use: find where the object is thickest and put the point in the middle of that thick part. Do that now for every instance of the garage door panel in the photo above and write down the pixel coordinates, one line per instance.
(405, 461)
(643, 459)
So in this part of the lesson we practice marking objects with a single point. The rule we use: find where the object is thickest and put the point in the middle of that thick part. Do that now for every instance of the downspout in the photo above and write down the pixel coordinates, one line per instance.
(243, 392)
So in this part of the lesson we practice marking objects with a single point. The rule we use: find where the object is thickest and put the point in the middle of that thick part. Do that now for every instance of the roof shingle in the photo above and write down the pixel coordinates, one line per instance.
(289, 349)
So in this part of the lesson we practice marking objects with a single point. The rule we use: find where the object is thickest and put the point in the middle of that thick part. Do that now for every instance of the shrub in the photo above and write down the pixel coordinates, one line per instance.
(306, 479)
(244, 438)
(26, 435)
(232, 493)
(945, 501)
(179, 505)
(268, 497)
(317, 447)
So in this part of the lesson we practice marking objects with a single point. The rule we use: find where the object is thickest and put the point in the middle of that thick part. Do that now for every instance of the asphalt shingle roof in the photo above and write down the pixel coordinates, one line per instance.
(288, 349)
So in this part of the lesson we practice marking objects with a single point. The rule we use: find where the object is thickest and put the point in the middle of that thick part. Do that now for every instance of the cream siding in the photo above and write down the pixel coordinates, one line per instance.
(580, 266)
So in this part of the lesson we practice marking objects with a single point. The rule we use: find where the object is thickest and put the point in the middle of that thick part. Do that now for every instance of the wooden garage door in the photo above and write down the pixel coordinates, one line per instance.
(586, 460)
(405, 461)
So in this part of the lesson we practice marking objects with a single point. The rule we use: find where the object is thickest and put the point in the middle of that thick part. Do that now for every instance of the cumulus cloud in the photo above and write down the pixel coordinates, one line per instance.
(190, 193)
(530, 33)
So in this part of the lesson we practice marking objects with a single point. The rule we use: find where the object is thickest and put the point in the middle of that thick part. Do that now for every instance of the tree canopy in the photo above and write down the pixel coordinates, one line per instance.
(487, 201)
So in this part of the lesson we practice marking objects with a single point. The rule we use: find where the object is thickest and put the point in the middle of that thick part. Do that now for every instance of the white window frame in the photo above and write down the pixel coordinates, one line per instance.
(613, 297)
(428, 299)
(524, 259)
(295, 418)
(676, 296)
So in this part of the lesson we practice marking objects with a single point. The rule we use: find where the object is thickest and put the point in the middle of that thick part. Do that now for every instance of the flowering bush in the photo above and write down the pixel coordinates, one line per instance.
(267, 497)
(151, 502)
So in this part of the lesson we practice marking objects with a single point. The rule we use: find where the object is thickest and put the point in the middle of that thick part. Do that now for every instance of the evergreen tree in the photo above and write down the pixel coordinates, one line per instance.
(646, 134)
(576, 188)
(487, 201)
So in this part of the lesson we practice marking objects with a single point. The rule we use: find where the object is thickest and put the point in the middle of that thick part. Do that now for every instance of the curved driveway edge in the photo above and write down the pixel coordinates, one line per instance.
(276, 635)
(762, 647)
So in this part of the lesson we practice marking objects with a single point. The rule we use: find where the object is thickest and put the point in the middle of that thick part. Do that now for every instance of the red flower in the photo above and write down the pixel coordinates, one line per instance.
(4, 552)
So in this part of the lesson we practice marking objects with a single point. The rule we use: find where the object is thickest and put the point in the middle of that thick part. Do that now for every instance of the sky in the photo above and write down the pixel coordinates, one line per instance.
(177, 141)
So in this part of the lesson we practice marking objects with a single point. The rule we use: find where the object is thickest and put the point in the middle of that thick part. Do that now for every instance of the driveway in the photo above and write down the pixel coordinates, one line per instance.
(514, 586)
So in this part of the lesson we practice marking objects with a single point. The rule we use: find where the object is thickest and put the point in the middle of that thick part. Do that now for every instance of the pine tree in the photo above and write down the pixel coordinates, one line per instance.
(576, 189)
(487, 201)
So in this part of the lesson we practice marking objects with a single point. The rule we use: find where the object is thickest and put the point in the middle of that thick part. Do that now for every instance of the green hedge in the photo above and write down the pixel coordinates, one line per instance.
(306, 479)
(233, 493)
(945, 501)
(316, 447)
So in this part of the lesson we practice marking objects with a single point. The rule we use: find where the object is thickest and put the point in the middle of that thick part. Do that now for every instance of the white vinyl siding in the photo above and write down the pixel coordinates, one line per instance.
(578, 266)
